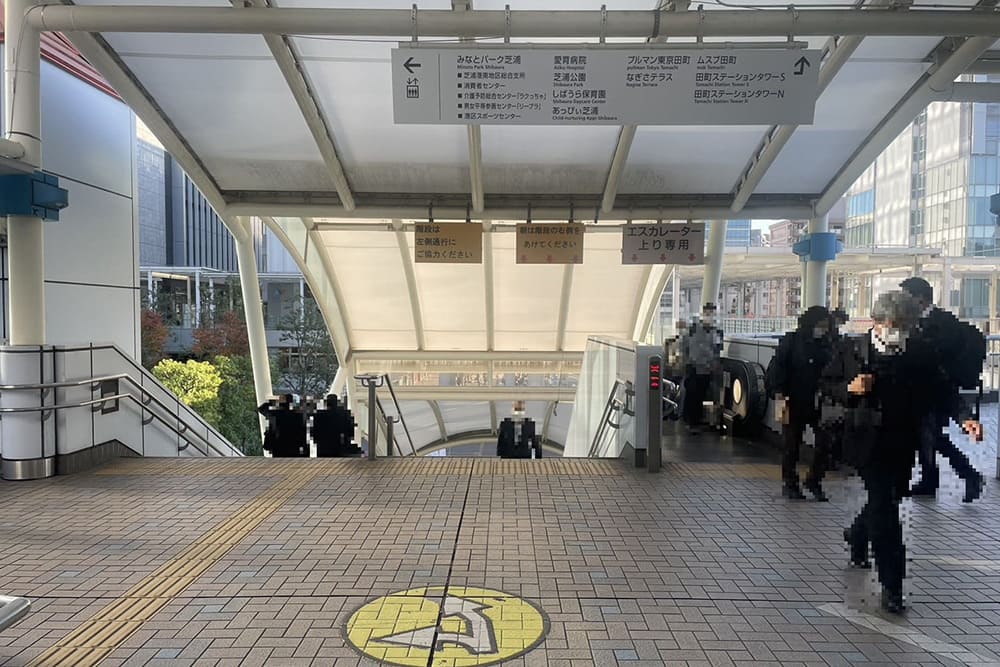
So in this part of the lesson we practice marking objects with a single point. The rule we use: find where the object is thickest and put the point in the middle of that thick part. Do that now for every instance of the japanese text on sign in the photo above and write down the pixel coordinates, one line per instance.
(650, 86)
(666, 243)
(550, 244)
(448, 243)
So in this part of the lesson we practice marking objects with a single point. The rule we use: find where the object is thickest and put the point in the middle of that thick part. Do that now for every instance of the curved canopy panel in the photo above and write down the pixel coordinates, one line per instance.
(433, 424)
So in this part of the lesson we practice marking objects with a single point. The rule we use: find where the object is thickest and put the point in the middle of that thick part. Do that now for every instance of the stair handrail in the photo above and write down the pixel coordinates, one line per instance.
(610, 407)
(184, 426)
(399, 413)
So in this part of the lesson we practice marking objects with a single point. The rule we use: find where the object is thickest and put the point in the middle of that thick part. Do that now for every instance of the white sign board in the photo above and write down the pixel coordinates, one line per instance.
(667, 243)
(603, 86)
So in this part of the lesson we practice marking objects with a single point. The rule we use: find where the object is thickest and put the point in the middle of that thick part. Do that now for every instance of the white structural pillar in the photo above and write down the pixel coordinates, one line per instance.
(22, 97)
(29, 446)
(253, 309)
(814, 288)
(675, 301)
(713, 264)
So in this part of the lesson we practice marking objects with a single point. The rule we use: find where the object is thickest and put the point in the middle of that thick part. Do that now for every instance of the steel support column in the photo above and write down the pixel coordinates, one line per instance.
(814, 290)
(253, 309)
(25, 234)
(713, 263)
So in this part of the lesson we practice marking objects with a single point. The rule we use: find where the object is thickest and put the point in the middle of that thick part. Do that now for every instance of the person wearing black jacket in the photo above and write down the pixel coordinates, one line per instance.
(942, 331)
(801, 356)
(885, 385)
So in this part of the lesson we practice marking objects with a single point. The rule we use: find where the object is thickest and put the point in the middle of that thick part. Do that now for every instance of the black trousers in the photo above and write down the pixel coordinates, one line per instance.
(696, 388)
(792, 433)
(934, 441)
(878, 522)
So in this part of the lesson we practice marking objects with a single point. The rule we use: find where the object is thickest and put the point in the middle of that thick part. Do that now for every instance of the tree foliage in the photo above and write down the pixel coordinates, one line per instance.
(154, 334)
(223, 335)
(196, 383)
(238, 419)
(311, 371)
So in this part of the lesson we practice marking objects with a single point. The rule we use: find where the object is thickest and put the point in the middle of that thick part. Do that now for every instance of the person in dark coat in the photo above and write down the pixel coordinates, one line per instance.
(831, 413)
(801, 357)
(942, 332)
(886, 385)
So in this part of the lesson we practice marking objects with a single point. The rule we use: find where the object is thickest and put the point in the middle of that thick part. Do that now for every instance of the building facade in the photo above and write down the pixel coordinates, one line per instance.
(188, 264)
(930, 188)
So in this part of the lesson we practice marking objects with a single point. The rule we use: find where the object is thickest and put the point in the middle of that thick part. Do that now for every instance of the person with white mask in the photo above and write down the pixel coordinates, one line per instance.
(886, 385)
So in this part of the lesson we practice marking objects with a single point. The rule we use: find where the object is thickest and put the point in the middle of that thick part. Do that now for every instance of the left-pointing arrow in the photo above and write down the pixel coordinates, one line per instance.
(410, 65)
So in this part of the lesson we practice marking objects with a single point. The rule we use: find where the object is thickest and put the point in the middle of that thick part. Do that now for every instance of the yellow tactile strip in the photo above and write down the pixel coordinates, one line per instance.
(396, 466)
(97, 637)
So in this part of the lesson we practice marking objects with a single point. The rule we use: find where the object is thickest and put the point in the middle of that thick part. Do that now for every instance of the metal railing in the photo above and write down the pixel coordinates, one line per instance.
(12, 610)
(96, 404)
(186, 428)
(611, 407)
(402, 419)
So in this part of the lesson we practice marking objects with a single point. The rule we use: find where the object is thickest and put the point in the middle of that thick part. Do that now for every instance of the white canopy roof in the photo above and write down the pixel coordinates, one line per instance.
(298, 129)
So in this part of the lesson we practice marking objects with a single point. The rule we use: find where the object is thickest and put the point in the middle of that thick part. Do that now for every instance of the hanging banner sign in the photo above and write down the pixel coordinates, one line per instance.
(550, 244)
(603, 86)
(667, 243)
(448, 243)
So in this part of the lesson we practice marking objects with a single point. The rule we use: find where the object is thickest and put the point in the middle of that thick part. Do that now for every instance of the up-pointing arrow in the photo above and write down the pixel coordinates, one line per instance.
(800, 66)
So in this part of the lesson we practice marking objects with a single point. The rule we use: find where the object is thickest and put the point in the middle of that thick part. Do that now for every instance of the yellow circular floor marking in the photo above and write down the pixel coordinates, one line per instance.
(478, 626)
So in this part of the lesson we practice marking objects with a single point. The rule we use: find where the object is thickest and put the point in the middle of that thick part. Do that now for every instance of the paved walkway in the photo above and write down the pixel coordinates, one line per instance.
(454, 562)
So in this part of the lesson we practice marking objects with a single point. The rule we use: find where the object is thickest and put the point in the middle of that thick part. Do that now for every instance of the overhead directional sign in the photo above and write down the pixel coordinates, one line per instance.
(667, 243)
(448, 243)
(652, 85)
(560, 243)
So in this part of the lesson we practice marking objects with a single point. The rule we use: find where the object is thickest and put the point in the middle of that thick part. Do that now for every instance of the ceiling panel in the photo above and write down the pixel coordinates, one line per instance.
(687, 160)
(378, 155)
(373, 285)
(465, 416)
(880, 72)
(240, 119)
(453, 305)
(547, 160)
(604, 293)
(526, 299)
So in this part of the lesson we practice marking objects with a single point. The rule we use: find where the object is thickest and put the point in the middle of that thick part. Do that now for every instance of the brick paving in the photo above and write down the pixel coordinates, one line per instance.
(703, 564)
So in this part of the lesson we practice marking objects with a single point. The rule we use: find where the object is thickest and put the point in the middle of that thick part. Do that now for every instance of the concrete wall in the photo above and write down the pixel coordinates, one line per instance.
(92, 253)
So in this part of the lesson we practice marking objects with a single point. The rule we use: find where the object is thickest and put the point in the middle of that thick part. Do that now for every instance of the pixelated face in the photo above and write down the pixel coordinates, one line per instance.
(887, 337)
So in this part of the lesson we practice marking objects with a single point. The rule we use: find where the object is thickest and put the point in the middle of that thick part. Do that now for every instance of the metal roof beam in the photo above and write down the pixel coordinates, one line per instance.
(478, 394)
(333, 310)
(411, 284)
(648, 300)
(466, 355)
(933, 83)
(436, 409)
(627, 132)
(673, 208)
(290, 65)
(624, 145)
(837, 52)
(988, 93)
(99, 54)
(522, 23)
(489, 290)
(475, 138)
